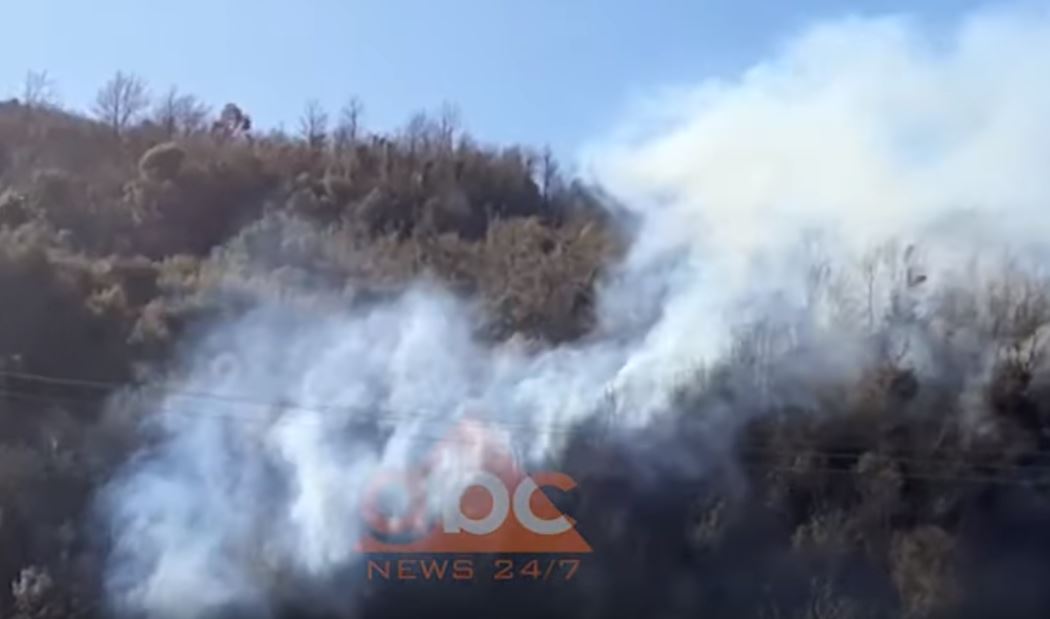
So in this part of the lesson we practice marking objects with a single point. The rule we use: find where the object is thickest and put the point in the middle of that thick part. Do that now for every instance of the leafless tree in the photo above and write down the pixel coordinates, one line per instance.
(38, 90)
(351, 117)
(548, 175)
(448, 124)
(121, 101)
(349, 129)
(313, 124)
(417, 133)
(180, 114)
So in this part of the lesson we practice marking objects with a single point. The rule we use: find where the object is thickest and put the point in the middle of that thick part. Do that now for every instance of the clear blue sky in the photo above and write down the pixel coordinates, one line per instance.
(537, 71)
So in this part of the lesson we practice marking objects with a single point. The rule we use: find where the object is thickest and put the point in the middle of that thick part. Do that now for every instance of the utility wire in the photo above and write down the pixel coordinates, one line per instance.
(749, 445)
(771, 447)
(747, 461)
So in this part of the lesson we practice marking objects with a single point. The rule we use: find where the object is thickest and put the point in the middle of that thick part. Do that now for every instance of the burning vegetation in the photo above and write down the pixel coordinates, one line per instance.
(213, 334)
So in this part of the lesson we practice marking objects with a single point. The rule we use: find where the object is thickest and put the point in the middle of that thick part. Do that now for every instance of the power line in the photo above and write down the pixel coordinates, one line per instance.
(751, 446)
(749, 462)
(770, 447)
(106, 388)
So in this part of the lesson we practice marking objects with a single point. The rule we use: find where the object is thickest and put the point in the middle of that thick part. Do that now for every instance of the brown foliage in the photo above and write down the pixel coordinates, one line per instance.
(111, 247)
(163, 162)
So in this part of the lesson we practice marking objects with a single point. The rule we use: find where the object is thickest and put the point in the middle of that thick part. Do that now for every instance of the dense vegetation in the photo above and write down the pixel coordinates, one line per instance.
(120, 233)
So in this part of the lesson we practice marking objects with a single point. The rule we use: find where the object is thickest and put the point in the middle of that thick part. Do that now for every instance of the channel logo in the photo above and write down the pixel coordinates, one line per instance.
(494, 508)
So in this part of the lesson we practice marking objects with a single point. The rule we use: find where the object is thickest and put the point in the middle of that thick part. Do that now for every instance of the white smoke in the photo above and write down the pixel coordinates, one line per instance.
(865, 128)
(857, 132)
(264, 459)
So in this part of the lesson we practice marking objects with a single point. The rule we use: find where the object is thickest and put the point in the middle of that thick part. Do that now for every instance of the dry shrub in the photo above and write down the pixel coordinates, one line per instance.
(540, 280)
(339, 189)
(535, 279)
(48, 321)
(55, 191)
(15, 209)
(34, 596)
(709, 524)
(921, 565)
(163, 162)
(823, 601)
(828, 532)
(826, 603)
(880, 483)
(210, 199)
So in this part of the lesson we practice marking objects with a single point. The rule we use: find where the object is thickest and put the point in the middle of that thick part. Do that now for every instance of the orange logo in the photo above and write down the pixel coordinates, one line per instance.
(494, 508)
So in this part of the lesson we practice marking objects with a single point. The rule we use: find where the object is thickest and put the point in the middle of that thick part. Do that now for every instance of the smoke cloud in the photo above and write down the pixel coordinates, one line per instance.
(856, 133)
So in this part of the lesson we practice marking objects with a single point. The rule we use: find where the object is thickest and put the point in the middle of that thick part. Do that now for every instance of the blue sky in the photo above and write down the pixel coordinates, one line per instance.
(535, 71)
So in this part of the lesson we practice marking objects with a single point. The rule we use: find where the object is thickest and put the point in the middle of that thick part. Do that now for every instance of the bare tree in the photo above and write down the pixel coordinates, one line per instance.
(180, 114)
(416, 133)
(351, 117)
(349, 129)
(313, 124)
(549, 175)
(38, 90)
(121, 101)
(448, 124)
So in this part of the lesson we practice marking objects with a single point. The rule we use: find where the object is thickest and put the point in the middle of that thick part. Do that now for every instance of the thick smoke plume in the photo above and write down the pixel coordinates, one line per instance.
(857, 133)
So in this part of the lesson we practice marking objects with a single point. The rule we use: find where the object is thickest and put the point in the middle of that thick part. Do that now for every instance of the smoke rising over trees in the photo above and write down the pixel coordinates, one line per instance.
(793, 379)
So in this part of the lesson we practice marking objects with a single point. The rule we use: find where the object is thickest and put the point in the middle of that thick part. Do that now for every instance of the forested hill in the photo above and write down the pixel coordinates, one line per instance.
(124, 228)
(124, 232)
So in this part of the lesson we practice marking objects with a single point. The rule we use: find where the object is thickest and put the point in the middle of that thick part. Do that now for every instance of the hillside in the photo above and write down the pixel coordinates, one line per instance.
(841, 496)
(115, 244)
